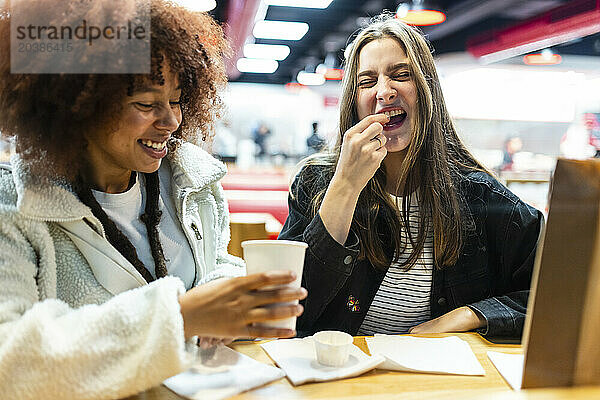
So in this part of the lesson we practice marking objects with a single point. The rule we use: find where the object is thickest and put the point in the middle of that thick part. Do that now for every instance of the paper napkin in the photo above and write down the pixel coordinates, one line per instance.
(297, 357)
(510, 367)
(448, 355)
(222, 374)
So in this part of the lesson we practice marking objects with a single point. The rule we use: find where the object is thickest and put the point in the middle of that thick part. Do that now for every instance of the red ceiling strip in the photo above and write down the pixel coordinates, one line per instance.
(570, 21)
(240, 21)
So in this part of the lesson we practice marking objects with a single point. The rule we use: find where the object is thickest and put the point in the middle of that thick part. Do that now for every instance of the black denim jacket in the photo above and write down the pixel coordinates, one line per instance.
(492, 276)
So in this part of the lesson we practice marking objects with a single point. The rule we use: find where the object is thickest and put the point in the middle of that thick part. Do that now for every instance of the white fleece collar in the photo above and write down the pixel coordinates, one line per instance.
(191, 166)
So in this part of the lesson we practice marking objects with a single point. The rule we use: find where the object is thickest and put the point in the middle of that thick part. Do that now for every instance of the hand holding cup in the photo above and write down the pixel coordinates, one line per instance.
(276, 255)
(229, 308)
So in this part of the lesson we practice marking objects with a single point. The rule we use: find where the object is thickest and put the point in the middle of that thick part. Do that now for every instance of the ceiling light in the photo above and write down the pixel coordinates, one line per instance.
(300, 3)
(257, 65)
(198, 5)
(281, 30)
(419, 13)
(269, 51)
(310, 78)
(546, 57)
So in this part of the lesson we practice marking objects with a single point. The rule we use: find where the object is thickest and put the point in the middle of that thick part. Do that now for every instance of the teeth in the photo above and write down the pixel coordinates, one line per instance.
(394, 113)
(154, 145)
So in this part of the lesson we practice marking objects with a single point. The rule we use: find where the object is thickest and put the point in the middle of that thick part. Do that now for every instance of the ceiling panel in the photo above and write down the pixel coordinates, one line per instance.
(331, 27)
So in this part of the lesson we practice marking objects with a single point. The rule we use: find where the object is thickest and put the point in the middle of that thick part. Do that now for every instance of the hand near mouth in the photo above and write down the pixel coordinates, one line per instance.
(363, 150)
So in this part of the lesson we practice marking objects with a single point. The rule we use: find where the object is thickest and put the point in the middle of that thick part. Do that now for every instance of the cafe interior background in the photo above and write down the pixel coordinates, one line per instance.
(521, 79)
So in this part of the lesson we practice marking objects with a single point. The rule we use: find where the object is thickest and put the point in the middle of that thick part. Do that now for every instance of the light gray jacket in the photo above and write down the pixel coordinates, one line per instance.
(77, 321)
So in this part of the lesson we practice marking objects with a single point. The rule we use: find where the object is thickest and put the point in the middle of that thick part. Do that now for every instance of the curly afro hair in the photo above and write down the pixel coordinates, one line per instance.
(46, 114)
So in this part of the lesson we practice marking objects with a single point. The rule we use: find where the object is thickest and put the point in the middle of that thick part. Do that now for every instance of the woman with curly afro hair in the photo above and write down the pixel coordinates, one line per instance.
(113, 224)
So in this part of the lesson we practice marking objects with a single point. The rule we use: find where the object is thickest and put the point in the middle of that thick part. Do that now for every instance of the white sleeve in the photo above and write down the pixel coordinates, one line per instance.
(49, 350)
(126, 345)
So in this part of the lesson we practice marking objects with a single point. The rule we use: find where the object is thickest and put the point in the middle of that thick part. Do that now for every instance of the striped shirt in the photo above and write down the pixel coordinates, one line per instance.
(402, 300)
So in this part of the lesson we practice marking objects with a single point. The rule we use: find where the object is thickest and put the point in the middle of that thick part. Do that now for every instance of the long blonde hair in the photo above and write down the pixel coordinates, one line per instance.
(435, 158)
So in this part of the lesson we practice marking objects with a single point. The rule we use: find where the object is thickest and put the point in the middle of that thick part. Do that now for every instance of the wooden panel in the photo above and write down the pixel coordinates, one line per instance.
(564, 309)
(587, 367)
(241, 231)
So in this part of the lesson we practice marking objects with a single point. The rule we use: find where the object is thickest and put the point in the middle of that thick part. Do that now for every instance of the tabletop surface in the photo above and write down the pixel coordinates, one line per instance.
(379, 384)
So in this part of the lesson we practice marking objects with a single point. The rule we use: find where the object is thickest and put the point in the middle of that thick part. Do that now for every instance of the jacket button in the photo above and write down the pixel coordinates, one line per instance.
(441, 301)
(348, 260)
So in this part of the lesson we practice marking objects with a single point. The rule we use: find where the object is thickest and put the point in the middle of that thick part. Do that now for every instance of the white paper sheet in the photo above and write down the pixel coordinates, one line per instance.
(222, 374)
(510, 367)
(448, 355)
(297, 357)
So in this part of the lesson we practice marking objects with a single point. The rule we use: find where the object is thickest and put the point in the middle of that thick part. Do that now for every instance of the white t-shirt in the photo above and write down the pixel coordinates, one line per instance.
(402, 300)
(125, 209)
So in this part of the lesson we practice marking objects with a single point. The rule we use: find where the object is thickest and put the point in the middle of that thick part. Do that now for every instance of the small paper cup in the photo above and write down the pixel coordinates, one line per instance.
(276, 255)
(332, 347)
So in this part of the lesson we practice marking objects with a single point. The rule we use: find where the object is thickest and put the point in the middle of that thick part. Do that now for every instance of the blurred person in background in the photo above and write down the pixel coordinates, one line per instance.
(582, 138)
(260, 135)
(592, 125)
(512, 145)
(113, 224)
(407, 232)
(315, 142)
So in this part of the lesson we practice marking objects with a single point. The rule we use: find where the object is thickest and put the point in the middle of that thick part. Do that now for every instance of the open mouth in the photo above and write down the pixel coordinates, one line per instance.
(154, 149)
(152, 145)
(397, 118)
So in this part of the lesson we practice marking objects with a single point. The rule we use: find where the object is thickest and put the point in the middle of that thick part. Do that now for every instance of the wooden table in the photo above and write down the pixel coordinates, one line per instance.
(378, 384)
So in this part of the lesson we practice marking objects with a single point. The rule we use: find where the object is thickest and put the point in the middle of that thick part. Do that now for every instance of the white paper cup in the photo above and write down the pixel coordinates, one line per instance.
(332, 347)
(276, 255)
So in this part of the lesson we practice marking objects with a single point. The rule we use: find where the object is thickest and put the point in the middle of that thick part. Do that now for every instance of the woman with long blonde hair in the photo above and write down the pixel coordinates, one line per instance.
(407, 231)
